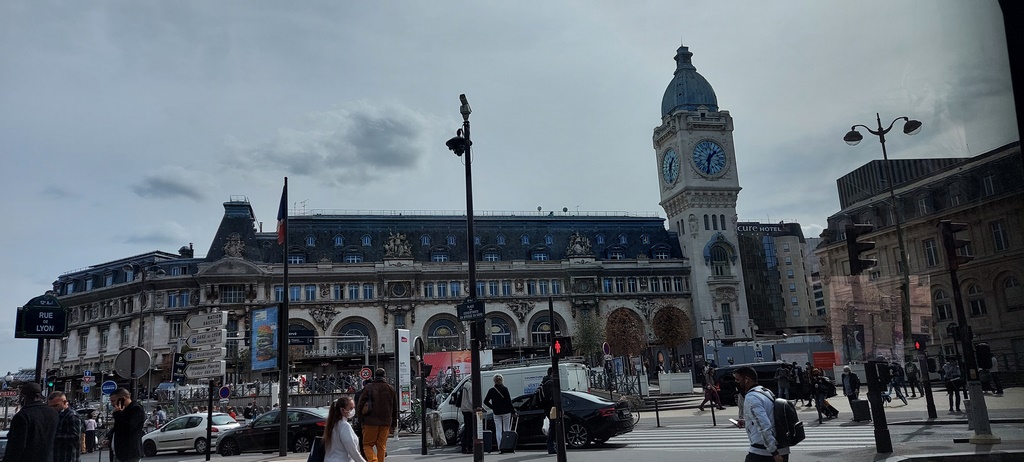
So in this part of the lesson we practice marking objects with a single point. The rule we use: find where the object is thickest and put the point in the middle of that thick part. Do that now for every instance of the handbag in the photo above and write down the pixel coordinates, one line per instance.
(545, 427)
(317, 452)
(367, 406)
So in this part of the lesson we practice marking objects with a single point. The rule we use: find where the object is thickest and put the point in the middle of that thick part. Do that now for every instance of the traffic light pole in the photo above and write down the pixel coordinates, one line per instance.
(556, 424)
(922, 365)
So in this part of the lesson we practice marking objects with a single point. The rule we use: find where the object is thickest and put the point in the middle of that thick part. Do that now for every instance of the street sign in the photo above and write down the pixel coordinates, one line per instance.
(470, 310)
(205, 355)
(200, 370)
(225, 392)
(41, 317)
(757, 347)
(86, 380)
(607, 349)
(108, 387)
(85, 388)
(208, 320)
(123, 362)
(365, 373)
(759, 355)
(87, 373)
(213, 337)
(8, 393)
(299, 335)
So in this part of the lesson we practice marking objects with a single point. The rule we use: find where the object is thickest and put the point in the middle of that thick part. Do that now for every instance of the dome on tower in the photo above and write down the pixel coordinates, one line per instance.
(688, 90)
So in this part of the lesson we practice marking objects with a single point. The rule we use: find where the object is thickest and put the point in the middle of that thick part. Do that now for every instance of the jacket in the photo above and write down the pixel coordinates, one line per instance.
(851, 383)
(31, 435)
(67, 444)
(759, 416)
(128, 432)
(499, 400)
(384, 410)
(344, 444)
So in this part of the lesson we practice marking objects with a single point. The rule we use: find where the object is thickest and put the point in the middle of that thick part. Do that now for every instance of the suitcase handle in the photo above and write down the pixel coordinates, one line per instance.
(515, 422)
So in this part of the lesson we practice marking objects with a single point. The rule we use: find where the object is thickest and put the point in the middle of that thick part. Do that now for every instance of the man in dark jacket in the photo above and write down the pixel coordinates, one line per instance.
(547, 396)
(378, 409)
(129, 417)
(32, 428)
(69, 442)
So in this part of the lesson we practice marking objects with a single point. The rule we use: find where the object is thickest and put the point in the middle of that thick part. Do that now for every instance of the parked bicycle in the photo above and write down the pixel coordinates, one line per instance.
(409, 421)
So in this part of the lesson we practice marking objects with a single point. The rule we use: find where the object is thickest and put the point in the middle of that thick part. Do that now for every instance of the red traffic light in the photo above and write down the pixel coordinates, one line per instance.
(558, 348)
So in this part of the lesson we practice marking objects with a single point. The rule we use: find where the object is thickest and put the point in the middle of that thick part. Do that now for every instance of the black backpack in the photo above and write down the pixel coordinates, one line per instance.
(789, 430)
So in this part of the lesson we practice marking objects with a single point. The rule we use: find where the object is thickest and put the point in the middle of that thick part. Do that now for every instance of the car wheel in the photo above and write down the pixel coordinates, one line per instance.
(149, 449)
(576, 435)
(302, 443)
(451, 432)
(201, 445)
(228, 447)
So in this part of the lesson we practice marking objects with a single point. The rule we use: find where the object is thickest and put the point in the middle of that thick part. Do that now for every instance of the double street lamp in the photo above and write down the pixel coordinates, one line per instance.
(143, 269)
(910, 127)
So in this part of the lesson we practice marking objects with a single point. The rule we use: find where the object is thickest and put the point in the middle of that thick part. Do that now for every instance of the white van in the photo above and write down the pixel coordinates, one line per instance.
(520, 380)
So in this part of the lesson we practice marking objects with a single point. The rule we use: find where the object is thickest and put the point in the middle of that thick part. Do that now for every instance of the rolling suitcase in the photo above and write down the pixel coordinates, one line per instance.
(488, 441)
(830, 411)
(861, 410)
(509, 438)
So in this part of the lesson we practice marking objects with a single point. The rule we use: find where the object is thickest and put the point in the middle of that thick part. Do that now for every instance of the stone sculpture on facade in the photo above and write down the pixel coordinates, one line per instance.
(397, 246)
(234, 247)
(579, 245)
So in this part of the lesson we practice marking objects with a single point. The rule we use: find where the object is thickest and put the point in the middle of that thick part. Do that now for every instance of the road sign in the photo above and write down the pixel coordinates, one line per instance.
(607, 349)
(108, 387)
(209, 369)
(123, 362)
(41, 317)
(759, 354)
(8, 393)
(87, 379)
(299, 335)
(757, 347)
(470, 310)
(85, 388)
(87, 373)
(225, 392)
(365, 373)
(208, 320)
(213, 337)
(205, 355)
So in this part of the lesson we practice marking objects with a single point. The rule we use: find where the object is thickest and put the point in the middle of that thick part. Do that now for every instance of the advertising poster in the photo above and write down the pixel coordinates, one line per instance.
(450, 366)
(264, 334)
(403, 348)
(853, 342)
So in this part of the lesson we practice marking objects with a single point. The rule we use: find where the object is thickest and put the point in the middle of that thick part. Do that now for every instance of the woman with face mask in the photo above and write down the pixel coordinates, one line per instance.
(340, 442)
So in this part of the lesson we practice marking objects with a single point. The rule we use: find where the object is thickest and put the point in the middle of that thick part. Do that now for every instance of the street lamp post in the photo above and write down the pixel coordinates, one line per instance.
(910, 127)
(7, 400)
(143, 270)
(714, 333)
(460, 144)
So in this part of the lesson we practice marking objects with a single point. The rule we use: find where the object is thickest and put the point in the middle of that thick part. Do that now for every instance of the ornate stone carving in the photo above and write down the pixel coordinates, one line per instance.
(519, 286)
(724, 295)
(322, 315)
(647, 307)
(194, 297)
(824, 271)
(693, 225)
(583, 286)
(520, 308)
(234, 247)
(579, 245)
(325, 290)
(397, 246)
(391, 310)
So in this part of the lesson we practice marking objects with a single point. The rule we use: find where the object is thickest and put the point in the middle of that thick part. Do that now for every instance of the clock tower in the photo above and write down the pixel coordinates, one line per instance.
(699, 181)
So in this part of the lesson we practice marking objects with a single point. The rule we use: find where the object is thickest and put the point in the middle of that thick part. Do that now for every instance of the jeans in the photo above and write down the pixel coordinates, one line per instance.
(751, 457)
(375, 435)
(784, 390)
(466, 437)
(551, 437)
(502, 422)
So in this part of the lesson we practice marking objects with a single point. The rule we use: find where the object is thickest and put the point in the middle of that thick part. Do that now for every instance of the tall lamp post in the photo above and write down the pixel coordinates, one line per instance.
(460, 145)
(910, 127)
(7, 400)
(143, 269)
(714, 332)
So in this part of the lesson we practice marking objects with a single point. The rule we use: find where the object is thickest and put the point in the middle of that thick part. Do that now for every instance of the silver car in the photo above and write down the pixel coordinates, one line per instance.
(186, 433)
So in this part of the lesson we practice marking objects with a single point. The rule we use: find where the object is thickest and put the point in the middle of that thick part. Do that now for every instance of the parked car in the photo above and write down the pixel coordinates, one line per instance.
(3, 444)
(261, 435)
(589, 419)
(185, 433)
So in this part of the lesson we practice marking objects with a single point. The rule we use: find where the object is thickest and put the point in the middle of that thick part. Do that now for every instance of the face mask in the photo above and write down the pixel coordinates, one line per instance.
(350, 413)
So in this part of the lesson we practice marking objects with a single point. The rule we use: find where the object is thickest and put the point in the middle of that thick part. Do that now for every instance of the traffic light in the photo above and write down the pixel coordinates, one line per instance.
(921, 342)
(562, 347)
(954, 256)
(51, 377)
(984, 354)
(855, 248)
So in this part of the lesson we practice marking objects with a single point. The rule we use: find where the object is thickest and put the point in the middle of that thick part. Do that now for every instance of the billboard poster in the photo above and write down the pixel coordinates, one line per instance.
(403, 347)
(853, 343)
(264, 334)
(451, 366)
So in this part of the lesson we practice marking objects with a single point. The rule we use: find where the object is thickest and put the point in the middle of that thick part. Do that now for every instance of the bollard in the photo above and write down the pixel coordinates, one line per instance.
(657, 416)
(970, 415)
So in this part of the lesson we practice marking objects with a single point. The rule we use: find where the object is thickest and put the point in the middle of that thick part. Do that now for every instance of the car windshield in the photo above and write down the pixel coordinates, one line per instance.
(223, 419)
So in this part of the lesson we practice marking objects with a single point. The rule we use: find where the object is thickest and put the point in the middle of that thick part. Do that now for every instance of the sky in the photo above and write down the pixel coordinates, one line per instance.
(124, 125)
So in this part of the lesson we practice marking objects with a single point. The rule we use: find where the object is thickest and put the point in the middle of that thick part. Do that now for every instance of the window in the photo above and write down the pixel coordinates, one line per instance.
(294, 293)
(104, 339)
(358, 339)
(714, 222)
(451, 240)
(175, 331)
(129, 275)
(425, 240)
(677, 283)
(606, 285)
(501, 239)
(439, 257)
(278, 293)
(310, 241)
(540, 331)
(492, 288)
(501, 335)
(179, 270)
(707, 225)
(726, 320)
(655, 285)
(366, 240)
(294, 259)
(108, 280)
(442, 290)
(542, 286)
(789, 274)
(232, 293)
(524, 239)
(177, 299)
(1013, 294)
(620, 285)
(338, 291)
(428, 290)
(922, 206)
(722, 219)
(539, 256)
(645, 239)
(793, 301)
(368, 291)
(785, 247)
(310, 292)
(931, 252)
(977, 300)
(789, 260)
(988, 184)
(480, 286)
(531, 287)
(492, 256)
(125, 335)
(792, 287)
(400, 320)
(506, 288)
(83, 342)
(353, 291)
(631, 285)
(548, 240)
(661, 255)
(616, 255)
(339, 241)
(600, 239)
(796, 312)
(353, 258)
(456, 287)
(442, 335)
(556, 287)
(623, 240)
(1000, 239)
(719, 261)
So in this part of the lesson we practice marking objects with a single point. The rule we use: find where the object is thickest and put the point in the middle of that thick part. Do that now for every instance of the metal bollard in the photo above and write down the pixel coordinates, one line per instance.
(657, 416)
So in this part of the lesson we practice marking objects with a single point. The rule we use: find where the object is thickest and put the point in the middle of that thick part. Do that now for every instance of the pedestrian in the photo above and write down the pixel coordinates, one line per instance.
(69, 440)
(33, 427)
(357, 422)
(378, 408)
(896, 381)
(129, 417)
(90, 433)
(547, 403)
(758, 419)
(914, 378)
(851, 385)
(161, 416)
(796, 385)
(809, 383)
(782, 381)
(711, 390)
(468, 422)
(250, 411)
(951, 377)
(340, 442)
(500, 401)
(994, 373)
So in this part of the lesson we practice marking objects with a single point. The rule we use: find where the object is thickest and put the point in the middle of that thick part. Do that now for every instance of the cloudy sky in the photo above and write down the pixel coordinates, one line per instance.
(125, 125)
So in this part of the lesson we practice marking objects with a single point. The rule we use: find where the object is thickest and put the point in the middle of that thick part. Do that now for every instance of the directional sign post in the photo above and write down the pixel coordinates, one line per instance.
(196, 356)
(207, 369)
(207, 321)
(213, 337)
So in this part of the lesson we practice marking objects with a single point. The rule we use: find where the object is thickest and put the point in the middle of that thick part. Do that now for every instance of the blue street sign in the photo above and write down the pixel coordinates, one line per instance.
(108, 387)
(87, 373)
(85, 389)
(225, 392)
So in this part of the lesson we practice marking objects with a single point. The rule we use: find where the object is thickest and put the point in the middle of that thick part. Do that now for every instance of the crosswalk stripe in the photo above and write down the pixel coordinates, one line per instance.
(686, 436)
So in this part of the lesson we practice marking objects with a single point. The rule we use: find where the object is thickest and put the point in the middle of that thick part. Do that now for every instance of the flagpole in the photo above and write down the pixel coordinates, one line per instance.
(282, 323)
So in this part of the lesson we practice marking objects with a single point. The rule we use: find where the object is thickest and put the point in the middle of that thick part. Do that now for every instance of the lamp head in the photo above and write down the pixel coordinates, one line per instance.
(912, 127)
(853, 137)
(458, 145)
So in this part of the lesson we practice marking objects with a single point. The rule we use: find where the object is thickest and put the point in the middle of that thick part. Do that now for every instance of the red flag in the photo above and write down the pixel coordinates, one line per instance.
(282, 212)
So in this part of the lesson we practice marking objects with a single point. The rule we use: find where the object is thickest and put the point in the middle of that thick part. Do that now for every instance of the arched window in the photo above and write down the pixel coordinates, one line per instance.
(501, 239)
(707, 225)
(623, 240)
(442, 336)
(720, 261)
(540, 331)
(645, 238)
(501, 335)
(339, 241)
(976, 298)
(722, 218)
(548, 240)
(943, 310)
(358, 336)
(310, 241)
(1013, 294)
(476, 240)
(424, 240)
(600, 239)
(451, 240)
(714, 222)
(366, 240)
(524, 239)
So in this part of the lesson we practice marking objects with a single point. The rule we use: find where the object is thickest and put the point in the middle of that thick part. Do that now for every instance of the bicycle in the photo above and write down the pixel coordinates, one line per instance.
(410, 420)
(633, 403)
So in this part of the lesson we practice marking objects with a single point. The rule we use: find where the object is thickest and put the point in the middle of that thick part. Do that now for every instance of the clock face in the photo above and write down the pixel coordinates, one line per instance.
(670, 166)
(709, 157)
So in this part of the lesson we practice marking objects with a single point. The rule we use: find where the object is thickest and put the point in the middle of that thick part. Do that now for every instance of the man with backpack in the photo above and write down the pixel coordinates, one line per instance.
(759, 419)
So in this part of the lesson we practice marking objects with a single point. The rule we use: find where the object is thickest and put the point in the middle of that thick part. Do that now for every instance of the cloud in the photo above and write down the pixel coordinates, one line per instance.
(56, 192)
(169, 183)
(358, 144)
(169, 234)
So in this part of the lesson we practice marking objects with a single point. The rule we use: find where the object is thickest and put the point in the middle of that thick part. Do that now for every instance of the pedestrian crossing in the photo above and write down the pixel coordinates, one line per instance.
(703, 437)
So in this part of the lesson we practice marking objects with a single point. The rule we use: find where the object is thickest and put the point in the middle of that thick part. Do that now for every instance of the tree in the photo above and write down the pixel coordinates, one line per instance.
(673, 328)
(589, 334)
(625, 332)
